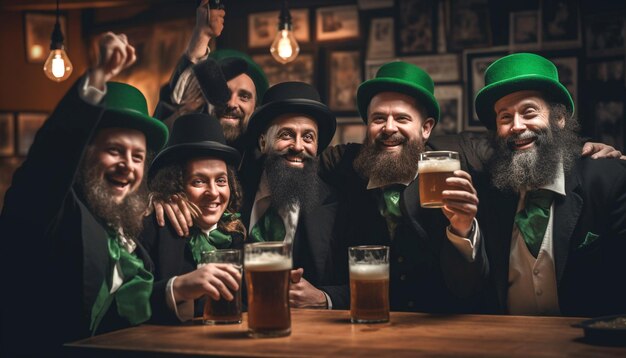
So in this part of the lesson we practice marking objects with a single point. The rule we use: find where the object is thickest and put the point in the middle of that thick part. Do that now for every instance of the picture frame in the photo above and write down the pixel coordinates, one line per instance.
(7, 134)
(560, 24)
(28, 123)
(301, 69)
(524, 30)
(475, 62)
(381, 38)
(604, 35)
(441, 68)
(38, 27)
(349, 130)
(337, 23)
(567, 68)
(263, 26)
(450, 98)
(470, 25)
(372, 66)
(416, 26)
(609, 122)
(344, 69)
(605, 71)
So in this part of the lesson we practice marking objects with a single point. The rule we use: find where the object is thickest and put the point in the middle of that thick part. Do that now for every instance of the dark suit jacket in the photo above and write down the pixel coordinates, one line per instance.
(56, 249)
(590, 275)
(427, 271)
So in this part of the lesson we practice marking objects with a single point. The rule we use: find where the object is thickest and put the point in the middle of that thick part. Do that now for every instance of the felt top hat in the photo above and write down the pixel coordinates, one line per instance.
(126, 107)
(297, 98)
(519, 72)
(403, 78)
(193, 136)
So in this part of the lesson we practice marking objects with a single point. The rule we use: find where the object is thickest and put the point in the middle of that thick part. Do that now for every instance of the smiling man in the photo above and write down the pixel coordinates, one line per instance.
(555, 224)
(73, 212)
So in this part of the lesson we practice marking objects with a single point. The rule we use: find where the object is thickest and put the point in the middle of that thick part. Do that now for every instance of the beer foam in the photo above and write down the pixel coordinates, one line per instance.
(440, 165)
(369, 271)
(267, 261)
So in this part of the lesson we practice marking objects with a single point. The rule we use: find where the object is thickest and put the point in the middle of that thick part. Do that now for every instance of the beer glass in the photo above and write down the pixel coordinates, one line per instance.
(267, 266)
(434, 168)
(369, 284)
(223, 311)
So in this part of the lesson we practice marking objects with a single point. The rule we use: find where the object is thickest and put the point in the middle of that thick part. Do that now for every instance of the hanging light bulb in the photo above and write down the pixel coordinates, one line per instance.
(58, 66)
(285, 47)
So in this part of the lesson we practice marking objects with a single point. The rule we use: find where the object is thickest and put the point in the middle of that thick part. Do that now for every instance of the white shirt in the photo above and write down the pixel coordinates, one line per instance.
(532, 282)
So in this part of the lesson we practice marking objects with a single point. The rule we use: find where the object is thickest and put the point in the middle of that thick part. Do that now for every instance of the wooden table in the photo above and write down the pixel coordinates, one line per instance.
(330, 333)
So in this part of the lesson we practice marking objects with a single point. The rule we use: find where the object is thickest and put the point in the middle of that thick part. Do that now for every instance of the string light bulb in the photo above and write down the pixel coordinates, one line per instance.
(58, 66)
(285, 48)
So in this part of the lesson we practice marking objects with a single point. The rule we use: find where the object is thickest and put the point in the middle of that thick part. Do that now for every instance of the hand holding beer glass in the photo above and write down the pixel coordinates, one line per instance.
(223, 311)
(369, 284)
(267, 266)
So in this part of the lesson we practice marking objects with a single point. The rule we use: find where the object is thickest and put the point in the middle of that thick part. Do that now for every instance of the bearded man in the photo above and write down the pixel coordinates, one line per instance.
(437, 260)
(73, 213)
(554, 223)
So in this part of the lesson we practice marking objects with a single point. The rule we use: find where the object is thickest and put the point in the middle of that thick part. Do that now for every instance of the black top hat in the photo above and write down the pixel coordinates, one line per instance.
(194, 135)
(292, 97)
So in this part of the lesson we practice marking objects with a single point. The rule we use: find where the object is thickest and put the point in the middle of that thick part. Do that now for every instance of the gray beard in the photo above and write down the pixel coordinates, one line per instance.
(514, 170)
(290, 185)
(376, 164)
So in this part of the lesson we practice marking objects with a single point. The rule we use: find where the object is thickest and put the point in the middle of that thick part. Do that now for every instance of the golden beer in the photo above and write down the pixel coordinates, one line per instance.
(369, 293)
(434, 168)
(223, 311)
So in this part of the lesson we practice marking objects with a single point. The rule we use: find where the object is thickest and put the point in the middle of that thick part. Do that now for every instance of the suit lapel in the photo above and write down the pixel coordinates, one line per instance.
(502, 217)
(410, 205)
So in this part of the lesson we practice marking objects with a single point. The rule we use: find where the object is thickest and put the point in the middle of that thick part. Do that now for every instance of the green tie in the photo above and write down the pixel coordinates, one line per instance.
(533, 220)
(391, 198)
(133, 297)
(200, 242)
(270, 227)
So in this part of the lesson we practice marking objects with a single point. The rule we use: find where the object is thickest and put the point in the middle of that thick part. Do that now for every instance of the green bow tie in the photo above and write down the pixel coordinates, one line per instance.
(133, 297)
(533, 220)
(391, 198)
(200, 242)
(270, 227)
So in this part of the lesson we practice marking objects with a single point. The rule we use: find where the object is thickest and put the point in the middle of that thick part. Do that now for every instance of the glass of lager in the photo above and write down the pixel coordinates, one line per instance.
(223, 311)
(434, 168)
(369, 284)
(267, 266)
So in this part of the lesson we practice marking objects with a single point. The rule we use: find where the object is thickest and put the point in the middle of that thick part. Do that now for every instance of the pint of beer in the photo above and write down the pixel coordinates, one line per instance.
(267, 266)
(223, 311)
(369, 284)
(434, 168)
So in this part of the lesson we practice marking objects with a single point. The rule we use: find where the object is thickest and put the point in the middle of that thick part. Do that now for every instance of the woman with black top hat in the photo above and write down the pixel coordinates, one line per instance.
(197, 168)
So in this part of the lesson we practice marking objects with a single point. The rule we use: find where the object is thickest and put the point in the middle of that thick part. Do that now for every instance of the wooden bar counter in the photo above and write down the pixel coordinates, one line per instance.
(323, 333)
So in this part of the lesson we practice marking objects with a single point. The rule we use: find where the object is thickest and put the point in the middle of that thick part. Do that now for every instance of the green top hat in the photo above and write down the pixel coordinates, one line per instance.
(126, 107)
(225, 58)
(403, 78)
(519, 72)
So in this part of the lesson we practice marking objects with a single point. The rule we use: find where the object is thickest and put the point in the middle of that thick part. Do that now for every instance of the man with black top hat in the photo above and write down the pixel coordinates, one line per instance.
(556, 229)
(284, 200)
(437, 261)
(73, 213)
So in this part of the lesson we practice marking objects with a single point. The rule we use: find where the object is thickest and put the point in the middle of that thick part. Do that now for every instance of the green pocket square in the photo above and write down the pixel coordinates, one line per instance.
(591, 237)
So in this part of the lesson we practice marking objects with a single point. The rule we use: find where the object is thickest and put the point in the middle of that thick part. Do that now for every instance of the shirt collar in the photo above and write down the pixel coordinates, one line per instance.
(558, 185)
(264, 188)
(374, 184)
(207, 232)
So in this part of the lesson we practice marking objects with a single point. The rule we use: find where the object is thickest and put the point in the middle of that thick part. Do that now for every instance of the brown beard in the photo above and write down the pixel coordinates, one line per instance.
(231, 131)
(127, 215)
(374, 163)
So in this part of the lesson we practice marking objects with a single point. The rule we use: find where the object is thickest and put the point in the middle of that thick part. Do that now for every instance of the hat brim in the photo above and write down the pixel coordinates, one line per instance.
(156, 132)
(180, 153)
(490, 94)
(263, 116)
(371, 88)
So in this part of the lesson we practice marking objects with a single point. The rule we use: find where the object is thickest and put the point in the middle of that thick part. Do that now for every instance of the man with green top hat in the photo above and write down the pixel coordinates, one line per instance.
(437, 261)
(554, 223)
(225, 83)
(74, 210)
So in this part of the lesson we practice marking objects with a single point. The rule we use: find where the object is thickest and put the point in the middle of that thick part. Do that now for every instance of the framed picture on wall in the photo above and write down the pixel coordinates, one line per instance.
(415, 26)
(349, 130)
(7, 134)
(609, 120)
(560, 24)
(568, 74)
(475, 62)
(344, 79)
(37, 32)
(524, 30)
(441, 68)
(469, 24)
(381, 42)
(606, 71)
(450, 98)
(262, 27)
(301, 69)
(27, 126)
(604, 35)
(337, 23)
(372, 66)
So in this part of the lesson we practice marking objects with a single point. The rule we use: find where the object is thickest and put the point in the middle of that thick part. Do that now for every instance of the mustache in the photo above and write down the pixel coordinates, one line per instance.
(528, 134)
(395, 138)
(228, 111)
(292, 153)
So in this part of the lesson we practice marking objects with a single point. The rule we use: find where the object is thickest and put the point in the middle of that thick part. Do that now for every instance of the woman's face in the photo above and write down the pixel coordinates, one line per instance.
(206, 185)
